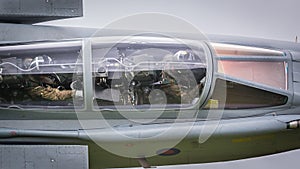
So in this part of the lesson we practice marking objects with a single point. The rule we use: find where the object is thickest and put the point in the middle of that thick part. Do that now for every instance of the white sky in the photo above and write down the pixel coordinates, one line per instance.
(272, 19)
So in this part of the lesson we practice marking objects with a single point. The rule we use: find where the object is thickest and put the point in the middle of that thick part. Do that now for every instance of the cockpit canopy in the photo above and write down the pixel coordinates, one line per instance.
(122, 73)
(141, 72)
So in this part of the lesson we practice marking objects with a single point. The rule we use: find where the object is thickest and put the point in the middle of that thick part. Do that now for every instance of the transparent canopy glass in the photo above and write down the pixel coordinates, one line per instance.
(151, 74)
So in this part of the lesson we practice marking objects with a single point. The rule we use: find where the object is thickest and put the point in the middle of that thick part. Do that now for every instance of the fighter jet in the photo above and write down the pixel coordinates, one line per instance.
(71, 98)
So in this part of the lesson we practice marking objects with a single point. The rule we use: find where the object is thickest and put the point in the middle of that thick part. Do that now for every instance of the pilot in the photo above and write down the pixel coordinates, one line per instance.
(50, 93)
(179, 79)
(45, 87)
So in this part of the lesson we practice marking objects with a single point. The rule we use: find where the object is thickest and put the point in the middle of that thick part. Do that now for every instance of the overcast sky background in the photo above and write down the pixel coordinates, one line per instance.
(270, 19)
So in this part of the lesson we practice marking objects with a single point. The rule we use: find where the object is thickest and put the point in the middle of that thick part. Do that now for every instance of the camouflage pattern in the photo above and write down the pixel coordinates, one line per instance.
(50, 93)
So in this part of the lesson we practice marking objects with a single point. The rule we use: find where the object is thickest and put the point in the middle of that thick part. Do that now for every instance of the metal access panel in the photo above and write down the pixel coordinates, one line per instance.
(43, 156)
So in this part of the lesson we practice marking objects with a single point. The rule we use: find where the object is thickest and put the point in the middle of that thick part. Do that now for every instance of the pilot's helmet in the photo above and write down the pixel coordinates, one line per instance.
(183, 55)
